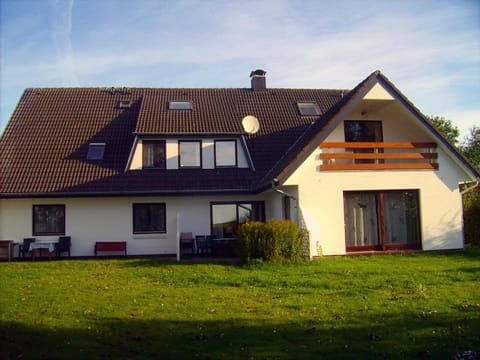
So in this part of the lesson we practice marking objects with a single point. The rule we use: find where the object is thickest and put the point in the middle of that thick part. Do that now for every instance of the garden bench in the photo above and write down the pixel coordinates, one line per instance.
(110, 246)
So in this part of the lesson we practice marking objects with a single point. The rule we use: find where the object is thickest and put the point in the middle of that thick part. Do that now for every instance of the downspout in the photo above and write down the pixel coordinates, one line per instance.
(275, 188)
(470, 188)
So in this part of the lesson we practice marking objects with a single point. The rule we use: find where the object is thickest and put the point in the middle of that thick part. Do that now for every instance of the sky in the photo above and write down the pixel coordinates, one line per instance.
(430, 49)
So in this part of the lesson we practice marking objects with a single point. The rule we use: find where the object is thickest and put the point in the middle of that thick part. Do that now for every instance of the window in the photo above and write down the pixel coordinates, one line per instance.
(48, 220)
(154, 154)
(227, 216)
(382, 220)
(96, 151)
(225, 153)
(124, 104)
(363, 131)
(190, 154)
(308, 108)
(179, 105)
(149, 218)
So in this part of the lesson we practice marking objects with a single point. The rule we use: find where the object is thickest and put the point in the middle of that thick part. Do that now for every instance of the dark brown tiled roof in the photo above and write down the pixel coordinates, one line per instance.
(43, 149)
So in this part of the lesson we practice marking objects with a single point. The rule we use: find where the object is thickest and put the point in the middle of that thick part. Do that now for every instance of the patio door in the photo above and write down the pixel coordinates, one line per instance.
(361, 221)
(382, 220)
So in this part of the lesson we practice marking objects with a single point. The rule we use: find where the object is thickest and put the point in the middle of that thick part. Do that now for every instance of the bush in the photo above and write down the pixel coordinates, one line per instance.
(471, 217)
(275, 239)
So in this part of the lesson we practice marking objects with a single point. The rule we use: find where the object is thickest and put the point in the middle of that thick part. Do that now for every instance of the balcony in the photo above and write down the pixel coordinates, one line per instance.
(378, 156)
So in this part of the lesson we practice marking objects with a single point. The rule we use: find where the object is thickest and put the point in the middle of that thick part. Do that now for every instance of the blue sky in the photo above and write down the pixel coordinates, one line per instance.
(429, 49)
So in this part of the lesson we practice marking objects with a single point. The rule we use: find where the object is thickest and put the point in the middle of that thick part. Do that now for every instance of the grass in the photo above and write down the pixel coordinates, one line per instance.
(392, 307)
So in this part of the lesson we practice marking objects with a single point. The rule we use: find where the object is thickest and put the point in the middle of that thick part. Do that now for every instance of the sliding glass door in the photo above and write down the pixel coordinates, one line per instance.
(382, 220)
(362, 221)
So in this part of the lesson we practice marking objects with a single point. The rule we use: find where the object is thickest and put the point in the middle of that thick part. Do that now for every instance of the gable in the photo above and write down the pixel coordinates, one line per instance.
(376, 92)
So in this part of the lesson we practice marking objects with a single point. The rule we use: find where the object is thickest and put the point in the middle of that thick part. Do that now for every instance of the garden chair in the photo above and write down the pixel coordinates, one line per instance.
(187, 243)
(63, 245)
(200, 244)
(25, 247)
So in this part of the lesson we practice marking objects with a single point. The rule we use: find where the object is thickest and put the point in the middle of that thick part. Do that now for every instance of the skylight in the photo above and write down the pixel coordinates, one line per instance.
(124, 104)
(96, 151)
(179, 105)
(308, 108)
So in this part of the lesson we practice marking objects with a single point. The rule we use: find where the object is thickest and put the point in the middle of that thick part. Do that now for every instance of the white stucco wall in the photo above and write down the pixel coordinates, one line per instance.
(111, 219)
(321, 193)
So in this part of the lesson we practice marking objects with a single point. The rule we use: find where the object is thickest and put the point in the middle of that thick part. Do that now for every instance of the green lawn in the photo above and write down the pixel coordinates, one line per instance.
(391, 307)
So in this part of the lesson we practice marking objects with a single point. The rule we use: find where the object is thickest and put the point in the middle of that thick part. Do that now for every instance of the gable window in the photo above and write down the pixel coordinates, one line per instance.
(179, 105)
(382, 220)
(96, 151)
(149, 218)
(225, 153)
(308, 108)
(363, 131)
(154, 154)
(48, 220)
(190, 154)
(226, 217)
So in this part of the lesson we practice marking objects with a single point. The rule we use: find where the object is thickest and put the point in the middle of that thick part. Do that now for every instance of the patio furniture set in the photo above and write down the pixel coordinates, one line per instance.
(31, 245)
(207, 245)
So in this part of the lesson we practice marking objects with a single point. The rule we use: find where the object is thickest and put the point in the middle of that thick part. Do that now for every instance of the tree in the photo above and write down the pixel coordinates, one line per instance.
(471, 146)
(446, 127)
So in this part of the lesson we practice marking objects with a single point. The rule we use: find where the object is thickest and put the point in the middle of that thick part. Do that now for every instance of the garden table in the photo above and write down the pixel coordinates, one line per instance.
(49, 245)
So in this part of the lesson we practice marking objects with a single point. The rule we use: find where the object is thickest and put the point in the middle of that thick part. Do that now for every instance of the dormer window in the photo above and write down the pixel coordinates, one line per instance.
(190, 154)
(308, 108)
(179, 105)
(96, 151)
(225, 153)
(154, 154)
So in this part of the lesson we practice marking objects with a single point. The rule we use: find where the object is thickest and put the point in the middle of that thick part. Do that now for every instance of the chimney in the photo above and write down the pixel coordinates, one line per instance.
(258, 80)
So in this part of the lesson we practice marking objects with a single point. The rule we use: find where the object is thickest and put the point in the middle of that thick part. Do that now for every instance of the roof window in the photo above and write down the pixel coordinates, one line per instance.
(308, 108)
(96, 151)
(124, 104)
(179, 105)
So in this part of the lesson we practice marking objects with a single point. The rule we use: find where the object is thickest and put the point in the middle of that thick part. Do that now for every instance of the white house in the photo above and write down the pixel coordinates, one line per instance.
(361, 169)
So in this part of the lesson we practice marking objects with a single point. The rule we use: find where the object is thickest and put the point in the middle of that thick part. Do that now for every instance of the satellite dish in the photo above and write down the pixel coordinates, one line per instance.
(250, 124)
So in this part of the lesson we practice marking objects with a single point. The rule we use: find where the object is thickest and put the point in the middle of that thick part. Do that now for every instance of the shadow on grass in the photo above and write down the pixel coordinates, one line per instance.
(410, 336)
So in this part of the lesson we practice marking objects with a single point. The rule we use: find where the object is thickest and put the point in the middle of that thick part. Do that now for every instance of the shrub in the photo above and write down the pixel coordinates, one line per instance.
(275, 239)
(471, 217)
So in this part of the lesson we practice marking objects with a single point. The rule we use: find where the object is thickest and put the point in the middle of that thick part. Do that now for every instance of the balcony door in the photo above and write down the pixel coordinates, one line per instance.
(382, 220)
(363, 131)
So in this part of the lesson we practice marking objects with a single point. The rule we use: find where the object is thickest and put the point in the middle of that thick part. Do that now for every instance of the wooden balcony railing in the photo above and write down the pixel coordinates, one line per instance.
(378, 156)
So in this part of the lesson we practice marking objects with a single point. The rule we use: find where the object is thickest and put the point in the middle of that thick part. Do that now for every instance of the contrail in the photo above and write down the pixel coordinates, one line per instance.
(61, 29)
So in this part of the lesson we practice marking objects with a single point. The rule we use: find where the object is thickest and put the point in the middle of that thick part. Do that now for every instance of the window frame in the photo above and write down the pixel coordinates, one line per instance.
(383, 245)
(96, 151)
(304, 105)
(61, 231)
(180, 105)
(234, 141)
(363, 138)
(163, 162)
(363, 123)
(180, 142)
(149, 231)
(238, 205)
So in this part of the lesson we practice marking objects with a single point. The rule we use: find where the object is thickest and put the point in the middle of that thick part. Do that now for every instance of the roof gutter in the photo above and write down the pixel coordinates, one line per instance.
(470, 188)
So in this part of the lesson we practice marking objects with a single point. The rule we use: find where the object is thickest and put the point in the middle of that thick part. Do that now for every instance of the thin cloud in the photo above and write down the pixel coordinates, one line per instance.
(61, 32)
(428, 51)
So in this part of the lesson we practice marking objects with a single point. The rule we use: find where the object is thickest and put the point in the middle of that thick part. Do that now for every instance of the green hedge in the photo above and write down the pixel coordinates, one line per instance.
(273, 240)
(471, 217)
